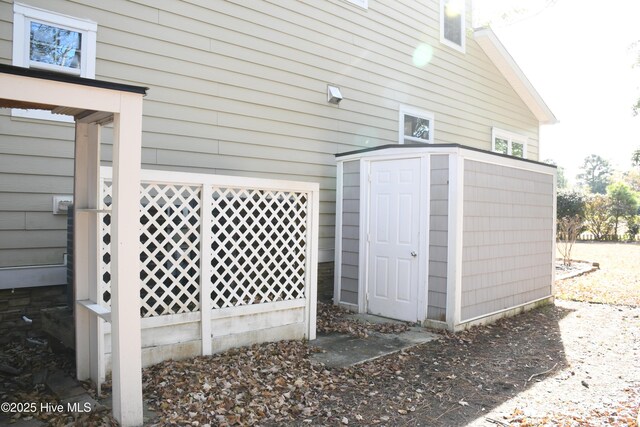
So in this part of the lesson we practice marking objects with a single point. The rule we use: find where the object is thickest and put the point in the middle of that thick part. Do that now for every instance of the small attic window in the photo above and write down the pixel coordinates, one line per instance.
(452, 23)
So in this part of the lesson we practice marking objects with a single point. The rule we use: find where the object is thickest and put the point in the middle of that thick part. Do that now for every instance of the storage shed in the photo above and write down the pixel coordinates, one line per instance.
(445, 235)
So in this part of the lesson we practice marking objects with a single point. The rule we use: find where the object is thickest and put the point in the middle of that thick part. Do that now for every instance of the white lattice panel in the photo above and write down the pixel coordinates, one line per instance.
(259, 249)
(170, 248)
(259, 246)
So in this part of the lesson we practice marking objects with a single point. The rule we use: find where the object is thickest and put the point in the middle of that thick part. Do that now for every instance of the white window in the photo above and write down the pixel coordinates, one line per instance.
(51, 41)
(362, 3)
(415, 126)
(452, 23)
(510, 143)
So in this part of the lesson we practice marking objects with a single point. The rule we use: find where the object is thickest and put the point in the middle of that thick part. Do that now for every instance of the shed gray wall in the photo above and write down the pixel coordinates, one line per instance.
(507, 238)
(239, 88)
(350, 232)
(438, 226)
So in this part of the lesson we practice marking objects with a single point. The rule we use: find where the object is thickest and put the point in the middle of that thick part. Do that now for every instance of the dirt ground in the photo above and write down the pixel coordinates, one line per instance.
(574, 363)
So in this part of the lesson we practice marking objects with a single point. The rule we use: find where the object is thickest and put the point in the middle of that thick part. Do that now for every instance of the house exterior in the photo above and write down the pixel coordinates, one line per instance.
(243, 88)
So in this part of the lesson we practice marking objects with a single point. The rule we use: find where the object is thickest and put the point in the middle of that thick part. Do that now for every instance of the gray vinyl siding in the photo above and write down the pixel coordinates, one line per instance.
(239, 88)
(438, 226)
(350, 232)
(507, 238)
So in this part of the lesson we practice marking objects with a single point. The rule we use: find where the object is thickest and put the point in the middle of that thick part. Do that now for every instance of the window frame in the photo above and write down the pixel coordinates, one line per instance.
(360, 3)
(463, 27)
(421, 114)
(510, 137)
(23, 15)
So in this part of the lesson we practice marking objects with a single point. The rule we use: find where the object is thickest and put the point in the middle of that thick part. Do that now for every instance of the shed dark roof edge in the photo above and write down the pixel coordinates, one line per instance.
(419, 145)
(66, 78)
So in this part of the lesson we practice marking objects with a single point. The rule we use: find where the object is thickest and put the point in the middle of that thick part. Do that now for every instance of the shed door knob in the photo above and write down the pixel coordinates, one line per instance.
(414, 254)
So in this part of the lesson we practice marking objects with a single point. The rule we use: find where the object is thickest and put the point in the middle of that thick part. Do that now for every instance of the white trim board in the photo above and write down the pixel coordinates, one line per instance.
(33, 276)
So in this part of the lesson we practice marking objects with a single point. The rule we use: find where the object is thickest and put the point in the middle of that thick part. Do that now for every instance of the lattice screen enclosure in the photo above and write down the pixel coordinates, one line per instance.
(257, 250)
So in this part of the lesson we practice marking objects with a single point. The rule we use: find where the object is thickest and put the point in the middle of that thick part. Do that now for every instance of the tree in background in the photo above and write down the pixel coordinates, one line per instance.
(624, 203)
(570, 216)
(635, 157)
(570, 203)
(597, 217)
(561, 180)
(596, 174)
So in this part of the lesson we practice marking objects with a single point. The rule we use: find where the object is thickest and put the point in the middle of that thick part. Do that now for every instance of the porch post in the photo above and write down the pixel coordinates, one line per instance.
(125, 252)
(81, 251)
(88, 332)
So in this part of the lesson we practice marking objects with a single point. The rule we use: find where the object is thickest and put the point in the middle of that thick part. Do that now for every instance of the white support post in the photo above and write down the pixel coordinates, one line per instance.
(81, 249)
(206, 255)
(96, 338)
(89, 340)
(313, 219)
(125, 253)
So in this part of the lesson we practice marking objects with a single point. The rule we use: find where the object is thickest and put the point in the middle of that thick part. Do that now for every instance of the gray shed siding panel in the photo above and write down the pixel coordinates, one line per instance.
(350, 232)
(507, 244)
(438, 199)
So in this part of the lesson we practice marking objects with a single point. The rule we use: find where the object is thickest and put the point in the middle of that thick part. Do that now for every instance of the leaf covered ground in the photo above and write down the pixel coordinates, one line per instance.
(570, 364)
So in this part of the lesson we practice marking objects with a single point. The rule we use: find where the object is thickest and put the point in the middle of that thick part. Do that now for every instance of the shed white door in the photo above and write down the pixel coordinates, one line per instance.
(394, 239)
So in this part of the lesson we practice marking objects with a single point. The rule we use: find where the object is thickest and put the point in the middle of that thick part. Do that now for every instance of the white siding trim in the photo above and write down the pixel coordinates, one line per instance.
(363, 232)
(337, 265)
(454, 239)
(423, 248)
(553, 234)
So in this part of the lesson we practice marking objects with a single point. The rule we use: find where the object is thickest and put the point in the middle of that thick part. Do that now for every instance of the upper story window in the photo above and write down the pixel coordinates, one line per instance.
(362, 3)
(54, 42)
(452, 23)
(510, 143)
(415, 126)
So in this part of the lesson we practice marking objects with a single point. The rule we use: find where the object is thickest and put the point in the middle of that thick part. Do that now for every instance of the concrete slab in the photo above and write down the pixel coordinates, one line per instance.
(341, 350)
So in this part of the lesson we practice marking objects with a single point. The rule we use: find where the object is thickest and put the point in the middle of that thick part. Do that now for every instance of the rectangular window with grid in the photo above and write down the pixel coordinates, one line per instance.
(509, 143)
(55, 42)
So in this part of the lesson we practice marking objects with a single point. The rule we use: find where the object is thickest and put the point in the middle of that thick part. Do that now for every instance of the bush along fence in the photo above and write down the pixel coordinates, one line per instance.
(224, 262)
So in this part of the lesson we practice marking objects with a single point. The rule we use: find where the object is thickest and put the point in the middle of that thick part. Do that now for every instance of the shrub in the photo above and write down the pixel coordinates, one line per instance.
(570, 204)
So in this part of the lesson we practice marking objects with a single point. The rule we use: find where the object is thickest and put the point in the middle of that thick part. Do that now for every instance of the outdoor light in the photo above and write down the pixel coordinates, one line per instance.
(334, 95)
